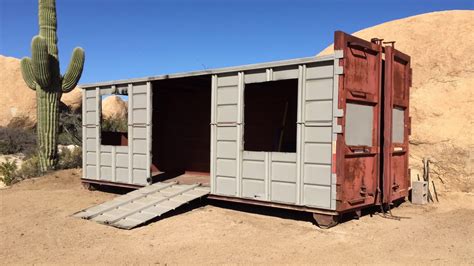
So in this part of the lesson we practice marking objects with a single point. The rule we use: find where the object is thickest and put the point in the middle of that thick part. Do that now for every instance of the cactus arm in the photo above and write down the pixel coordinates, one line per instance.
(40, 61)
(74, 70)
(27, 73)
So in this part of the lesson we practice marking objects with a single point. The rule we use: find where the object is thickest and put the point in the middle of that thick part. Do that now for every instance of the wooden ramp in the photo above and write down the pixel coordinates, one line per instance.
(144, 204)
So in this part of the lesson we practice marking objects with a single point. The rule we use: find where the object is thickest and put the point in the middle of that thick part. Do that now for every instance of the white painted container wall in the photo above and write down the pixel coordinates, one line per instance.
(118, 164)
(301, 178)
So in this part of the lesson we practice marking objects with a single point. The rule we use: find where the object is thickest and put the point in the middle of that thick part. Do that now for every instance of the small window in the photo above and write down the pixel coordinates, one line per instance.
(270, 110)
(359, 124)
(114, 119)
(398, 125)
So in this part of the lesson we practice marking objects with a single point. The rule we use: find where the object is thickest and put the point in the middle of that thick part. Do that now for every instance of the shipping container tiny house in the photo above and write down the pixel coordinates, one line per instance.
(325, 134)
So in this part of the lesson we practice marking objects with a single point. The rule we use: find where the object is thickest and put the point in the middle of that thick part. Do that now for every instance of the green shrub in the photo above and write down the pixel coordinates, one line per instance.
(8, 171)
(70, 127)
(114, 124)
(70, 159)
(30, 168)
(17, 140)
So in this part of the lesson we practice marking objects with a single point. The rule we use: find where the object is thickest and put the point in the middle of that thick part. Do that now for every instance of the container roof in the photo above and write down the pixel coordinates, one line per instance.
(273, 64)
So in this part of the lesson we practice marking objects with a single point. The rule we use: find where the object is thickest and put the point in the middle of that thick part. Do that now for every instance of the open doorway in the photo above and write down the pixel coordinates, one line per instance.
(181, 129)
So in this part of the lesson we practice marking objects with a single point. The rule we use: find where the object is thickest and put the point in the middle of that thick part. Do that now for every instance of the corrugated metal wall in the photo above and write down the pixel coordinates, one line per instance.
(120, 164)
(301, 178)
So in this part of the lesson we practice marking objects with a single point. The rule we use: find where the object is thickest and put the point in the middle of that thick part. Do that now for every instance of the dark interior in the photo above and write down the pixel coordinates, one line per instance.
(181, 125)
(270, 112)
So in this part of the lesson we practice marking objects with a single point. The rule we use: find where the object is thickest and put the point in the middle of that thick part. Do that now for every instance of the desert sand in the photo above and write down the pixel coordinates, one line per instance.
(36, 227)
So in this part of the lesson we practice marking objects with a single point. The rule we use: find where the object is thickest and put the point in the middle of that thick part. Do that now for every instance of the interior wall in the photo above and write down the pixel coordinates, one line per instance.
(265, 119)
(181, 124)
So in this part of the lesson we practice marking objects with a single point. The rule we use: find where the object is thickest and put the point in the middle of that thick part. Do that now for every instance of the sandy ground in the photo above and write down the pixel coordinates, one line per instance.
(36, 227)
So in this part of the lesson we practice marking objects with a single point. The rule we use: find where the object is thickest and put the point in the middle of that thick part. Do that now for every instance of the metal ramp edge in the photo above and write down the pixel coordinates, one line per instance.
(141, 205)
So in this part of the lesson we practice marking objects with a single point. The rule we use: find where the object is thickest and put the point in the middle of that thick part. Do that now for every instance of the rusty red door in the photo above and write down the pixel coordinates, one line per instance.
(396, 179)
(358, 147)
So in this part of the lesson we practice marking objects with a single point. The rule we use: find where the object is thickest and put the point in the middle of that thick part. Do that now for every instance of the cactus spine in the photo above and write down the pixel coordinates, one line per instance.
(41, 73)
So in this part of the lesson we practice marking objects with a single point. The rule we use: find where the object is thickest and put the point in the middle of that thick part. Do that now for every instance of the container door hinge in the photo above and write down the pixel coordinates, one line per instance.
(337, 129)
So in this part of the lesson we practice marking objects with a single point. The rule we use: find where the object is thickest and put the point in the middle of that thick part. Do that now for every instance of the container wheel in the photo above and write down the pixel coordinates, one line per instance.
(89, 186)
(326, 221)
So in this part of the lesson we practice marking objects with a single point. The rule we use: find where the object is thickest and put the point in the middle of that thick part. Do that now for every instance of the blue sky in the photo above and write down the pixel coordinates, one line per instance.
(137, 38)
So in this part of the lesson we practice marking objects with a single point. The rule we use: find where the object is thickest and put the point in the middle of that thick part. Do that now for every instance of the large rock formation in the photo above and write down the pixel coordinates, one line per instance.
(17, 100)
(114, 106)
(440, 45)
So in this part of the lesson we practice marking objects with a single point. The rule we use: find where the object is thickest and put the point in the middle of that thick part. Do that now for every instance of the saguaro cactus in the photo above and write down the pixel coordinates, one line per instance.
(41, 73)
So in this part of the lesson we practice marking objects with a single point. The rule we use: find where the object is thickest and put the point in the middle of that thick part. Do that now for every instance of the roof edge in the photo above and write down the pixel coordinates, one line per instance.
(271, 64)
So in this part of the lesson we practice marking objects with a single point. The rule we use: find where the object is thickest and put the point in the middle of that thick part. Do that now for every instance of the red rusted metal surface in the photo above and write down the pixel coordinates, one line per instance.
(358, 166)
(396, 178)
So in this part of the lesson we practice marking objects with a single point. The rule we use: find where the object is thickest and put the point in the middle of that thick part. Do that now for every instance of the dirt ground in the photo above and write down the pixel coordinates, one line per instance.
(36, 227)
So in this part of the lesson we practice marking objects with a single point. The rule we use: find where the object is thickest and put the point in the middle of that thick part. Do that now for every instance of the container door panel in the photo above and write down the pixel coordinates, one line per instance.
(358, 147)
(397, 124)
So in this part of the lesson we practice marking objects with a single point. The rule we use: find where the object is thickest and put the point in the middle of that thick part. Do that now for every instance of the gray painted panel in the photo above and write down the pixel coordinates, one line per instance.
(227, 95)
(317, 174)
(359, 124)
(226, 167)
(253, 169)
(226, 113)
(226, 149)
(317, 153)
(225, 186)
(285, 73)
(283, 192)
(254, 189)
(140, 176)
(91, 172)
(91, 158)
(90, 132)
(122, 149)
(105, 159)
(284, 156)
(139, 132)
(106, 148)
(90, 93)
(121, 160)
(319, 72)
(255, 77)
(91, 117)
(283, 172)
(139, 146)
(91, 104)
(317, 196)
(318, 111)
(318, 134)
(253, 155)
(398, 125)
(106, 173)
(319, 89)
(139, 88)
(91, 145)
(139, 116)
(227, 80)
(139, 100)
(122, 175)
(226, 133)
(139, 161)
